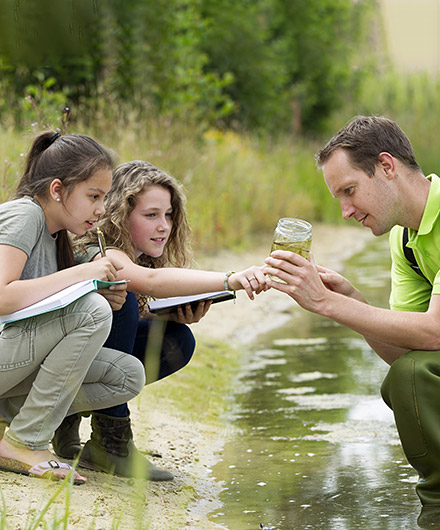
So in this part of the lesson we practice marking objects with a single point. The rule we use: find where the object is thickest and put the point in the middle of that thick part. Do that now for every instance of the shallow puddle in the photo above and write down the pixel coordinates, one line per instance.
(315, 447)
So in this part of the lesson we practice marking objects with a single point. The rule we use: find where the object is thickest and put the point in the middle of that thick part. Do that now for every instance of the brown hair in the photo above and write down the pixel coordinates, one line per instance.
(129, 181)
(364, 138)
(72, 159)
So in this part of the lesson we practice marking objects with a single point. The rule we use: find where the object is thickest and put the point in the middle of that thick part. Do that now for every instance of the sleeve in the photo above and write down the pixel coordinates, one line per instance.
(21, 224)
(409, 291)
(84, 255)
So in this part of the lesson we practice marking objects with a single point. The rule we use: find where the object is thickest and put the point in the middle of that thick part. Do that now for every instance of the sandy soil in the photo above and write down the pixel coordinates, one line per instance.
(186, 448)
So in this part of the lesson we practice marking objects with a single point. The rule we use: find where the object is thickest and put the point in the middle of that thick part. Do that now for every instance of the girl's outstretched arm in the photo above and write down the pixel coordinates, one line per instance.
(165, 282)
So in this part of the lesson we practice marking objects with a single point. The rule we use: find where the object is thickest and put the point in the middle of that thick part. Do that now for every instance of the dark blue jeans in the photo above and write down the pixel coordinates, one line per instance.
(163, 346)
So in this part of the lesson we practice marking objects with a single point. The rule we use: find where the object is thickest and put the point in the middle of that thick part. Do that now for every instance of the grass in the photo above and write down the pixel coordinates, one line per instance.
(412, 101)
(236, 186)
(239, 185)
(36, 519)
(207, 380)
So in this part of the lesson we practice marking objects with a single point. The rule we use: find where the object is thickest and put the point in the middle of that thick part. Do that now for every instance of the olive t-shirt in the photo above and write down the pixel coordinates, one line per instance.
(23, 225)
(85, 255)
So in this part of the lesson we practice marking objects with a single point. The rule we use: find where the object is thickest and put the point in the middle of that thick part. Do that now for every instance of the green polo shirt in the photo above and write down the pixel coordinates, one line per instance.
(409, 291)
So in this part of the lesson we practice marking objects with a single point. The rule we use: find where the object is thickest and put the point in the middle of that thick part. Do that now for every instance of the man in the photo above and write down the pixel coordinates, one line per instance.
(370, 167)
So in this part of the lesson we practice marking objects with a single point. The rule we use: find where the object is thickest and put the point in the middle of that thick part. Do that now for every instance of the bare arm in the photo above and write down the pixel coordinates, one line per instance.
(164, 282)
(390, 333)
(16, 294)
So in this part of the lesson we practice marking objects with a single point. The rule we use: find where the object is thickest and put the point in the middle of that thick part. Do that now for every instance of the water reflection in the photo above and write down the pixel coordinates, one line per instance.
(315, 445)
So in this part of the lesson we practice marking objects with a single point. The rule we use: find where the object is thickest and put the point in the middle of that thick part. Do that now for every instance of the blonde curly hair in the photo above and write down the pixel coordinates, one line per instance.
(130, 179)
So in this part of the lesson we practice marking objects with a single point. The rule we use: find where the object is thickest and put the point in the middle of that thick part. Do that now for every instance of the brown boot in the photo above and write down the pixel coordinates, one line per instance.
(111, 449)
(66, 441)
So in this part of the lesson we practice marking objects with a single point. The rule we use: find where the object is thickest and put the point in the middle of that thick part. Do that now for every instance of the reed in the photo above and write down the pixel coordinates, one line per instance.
(237, 186)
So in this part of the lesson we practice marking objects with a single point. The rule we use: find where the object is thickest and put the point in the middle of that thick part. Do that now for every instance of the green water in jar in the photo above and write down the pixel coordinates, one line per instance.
(299, 247)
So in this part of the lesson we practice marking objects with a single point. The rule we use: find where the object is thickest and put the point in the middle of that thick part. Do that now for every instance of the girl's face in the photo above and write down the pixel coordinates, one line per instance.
(81, 208)
(150, 222)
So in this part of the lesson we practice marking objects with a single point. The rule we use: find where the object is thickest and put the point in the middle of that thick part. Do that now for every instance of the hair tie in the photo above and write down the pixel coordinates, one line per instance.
(53, 138)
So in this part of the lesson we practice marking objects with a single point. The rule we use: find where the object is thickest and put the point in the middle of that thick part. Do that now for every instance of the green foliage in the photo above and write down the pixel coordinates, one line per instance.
(43, 107)
(176, 81)
(237, 41)
(237, 185)
(38, 42)
(318, 50)
(292, 61)
(262, 65)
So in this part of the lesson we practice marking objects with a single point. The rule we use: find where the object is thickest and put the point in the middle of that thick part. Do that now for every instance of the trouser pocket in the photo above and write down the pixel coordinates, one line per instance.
(17, 346)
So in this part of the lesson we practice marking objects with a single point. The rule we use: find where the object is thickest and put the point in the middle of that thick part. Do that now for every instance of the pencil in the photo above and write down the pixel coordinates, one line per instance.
(101, 242)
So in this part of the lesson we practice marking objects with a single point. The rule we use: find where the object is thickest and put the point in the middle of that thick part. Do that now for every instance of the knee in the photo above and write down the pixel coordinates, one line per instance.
(133, 375)
(137, 371)
(188, 344)
(185, 339)
(129, 312)
(417, 372)
(397, 380)
(124, 326)
(96, 313)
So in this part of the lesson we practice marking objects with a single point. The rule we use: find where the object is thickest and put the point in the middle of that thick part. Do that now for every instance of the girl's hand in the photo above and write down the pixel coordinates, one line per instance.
(251, 280)
(185, 314)
(115, 295)
(103, 269)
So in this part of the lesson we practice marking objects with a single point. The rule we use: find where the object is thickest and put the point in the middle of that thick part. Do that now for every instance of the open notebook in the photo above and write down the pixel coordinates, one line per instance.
(58, 300)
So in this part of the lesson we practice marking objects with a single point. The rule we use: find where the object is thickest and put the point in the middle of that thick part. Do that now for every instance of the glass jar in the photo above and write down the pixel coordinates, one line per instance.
(294, 235)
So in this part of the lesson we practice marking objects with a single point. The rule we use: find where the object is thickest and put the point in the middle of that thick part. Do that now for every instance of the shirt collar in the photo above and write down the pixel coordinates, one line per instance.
(432, 208)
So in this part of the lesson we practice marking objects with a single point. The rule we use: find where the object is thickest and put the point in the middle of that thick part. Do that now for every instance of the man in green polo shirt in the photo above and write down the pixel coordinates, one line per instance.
(370, 167)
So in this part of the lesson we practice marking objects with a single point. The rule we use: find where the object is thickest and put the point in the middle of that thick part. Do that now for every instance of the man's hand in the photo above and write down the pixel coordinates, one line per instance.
(301, 279)
(337, 283)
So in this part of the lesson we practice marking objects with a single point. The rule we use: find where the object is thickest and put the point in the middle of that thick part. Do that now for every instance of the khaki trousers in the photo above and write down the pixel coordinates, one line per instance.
(54, 365)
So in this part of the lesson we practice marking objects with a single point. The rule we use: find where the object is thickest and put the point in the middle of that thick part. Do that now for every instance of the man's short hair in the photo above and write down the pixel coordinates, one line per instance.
(364, 138)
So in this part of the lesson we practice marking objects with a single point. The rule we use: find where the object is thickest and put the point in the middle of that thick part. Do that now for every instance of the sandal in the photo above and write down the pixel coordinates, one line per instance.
(42, 470)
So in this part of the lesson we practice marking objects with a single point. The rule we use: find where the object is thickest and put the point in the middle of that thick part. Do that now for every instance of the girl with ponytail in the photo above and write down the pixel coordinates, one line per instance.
(54, 364)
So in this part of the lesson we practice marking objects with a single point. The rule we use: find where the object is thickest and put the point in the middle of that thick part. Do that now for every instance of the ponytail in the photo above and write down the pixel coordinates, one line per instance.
(42, 142)
(72, 159)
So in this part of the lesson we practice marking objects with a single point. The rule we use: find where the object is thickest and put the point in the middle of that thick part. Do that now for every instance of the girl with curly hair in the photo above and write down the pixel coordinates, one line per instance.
(147, 232)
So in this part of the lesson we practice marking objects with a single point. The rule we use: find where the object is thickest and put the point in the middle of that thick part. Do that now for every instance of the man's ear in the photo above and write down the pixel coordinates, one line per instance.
(387, 164)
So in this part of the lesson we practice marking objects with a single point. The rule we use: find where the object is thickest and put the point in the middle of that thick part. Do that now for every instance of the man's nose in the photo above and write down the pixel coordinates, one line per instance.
(347, 210)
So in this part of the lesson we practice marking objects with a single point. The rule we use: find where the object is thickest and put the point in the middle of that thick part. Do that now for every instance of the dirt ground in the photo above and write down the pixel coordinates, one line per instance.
(188, 449)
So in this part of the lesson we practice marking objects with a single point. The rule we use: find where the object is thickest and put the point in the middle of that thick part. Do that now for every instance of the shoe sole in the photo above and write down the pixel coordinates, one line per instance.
(93, 467)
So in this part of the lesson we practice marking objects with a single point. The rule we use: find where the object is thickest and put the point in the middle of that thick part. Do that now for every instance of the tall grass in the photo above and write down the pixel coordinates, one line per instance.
(412, 100)
(237, 186)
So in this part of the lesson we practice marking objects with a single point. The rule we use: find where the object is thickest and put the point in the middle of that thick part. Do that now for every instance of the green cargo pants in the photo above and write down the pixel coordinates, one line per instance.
(412, 390)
